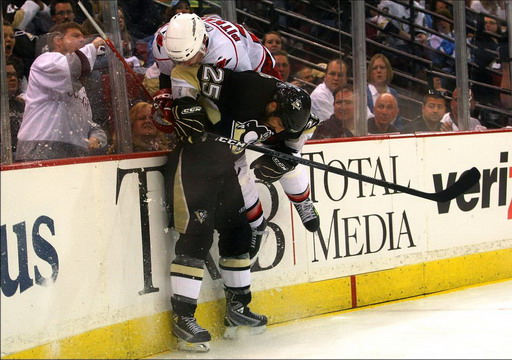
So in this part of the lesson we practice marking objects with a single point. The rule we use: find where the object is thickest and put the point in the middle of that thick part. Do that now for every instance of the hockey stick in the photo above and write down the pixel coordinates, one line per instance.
(114, 50)
(467, 180)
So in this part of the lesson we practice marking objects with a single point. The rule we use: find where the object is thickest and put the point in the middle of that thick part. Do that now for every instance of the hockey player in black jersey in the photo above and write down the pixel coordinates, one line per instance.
(246, 106)
(188, 40)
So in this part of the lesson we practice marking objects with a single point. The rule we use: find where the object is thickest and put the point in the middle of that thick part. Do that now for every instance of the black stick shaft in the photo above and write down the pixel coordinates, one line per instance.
(465, 182)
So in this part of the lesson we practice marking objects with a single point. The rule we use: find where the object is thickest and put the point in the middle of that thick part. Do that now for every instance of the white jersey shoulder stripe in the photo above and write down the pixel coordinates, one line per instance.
(215, 26)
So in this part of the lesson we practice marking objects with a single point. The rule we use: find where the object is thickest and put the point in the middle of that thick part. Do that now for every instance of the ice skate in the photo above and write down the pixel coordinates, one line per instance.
(239, 318)
(190, 336)
(308, 215)
(258, 238)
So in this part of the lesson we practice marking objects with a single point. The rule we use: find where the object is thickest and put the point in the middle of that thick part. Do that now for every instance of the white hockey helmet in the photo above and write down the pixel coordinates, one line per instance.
(184, 37)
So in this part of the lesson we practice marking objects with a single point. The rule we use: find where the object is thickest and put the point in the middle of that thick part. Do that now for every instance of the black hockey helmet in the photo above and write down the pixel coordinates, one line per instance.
(293, 106)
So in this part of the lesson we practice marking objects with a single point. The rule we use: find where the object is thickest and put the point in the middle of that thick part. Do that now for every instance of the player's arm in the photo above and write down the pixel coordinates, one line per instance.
(185, 110)
(269, 168)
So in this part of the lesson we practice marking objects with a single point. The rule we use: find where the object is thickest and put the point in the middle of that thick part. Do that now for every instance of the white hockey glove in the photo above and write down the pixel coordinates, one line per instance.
(269, 168)
(189, 120)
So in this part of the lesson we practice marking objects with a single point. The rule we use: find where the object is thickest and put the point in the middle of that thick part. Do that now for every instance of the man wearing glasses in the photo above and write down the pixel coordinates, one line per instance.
(322, 98)
(452, 118)
(62, 11)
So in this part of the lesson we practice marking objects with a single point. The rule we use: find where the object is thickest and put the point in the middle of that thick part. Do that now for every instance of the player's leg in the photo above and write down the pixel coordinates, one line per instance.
(187, 271)
(296, 186)
(254, 209)
(235, 265)
(195, 186)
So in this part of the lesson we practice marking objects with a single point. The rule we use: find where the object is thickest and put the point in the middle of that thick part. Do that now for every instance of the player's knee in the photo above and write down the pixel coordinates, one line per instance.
(194, 245)
(235, 241)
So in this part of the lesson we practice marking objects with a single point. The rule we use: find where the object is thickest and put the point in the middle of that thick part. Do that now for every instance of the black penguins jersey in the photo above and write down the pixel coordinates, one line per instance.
(234, 101)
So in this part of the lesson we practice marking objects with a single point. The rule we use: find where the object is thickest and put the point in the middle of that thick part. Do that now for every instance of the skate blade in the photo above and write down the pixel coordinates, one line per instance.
(196, 347)
(237, 332)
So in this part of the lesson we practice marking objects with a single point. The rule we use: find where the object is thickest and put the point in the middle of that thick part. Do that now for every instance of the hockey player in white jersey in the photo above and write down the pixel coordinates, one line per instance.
(228, 45)
(189, 40)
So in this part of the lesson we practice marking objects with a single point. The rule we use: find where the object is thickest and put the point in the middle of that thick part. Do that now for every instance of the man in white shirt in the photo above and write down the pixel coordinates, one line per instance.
(57, 122)
(452, 117)
(322, 98)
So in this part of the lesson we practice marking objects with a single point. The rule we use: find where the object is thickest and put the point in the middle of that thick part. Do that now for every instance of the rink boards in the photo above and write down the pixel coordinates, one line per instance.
(85, 248)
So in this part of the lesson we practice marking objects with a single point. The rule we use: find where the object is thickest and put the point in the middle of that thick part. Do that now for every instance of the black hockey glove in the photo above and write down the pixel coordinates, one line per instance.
(269, 168)
(190, 119)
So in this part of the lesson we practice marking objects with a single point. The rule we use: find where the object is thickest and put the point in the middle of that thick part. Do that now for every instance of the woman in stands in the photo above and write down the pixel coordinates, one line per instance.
(145, 136)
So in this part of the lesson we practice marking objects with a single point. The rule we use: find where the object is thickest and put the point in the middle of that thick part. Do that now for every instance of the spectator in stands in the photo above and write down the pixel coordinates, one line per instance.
(27, 21)
(57, 122)
(145, 136)
(452, 118)
(492, 7)
(435, 5)
(273, 41)
(385, 110)
(9, 44)
(318, 76)
(177, 6)
(62, 11)
(305, 73)
(487, 36)
(322, 98)
(95, 83)
(128, 43)
(432, 111)
(437, 84)
(9, 38)
(282, 64)
(341, 122)
(33, 17)
(380, 74)
(445, 27)
(16, 101)
(41, 17)
(20, 13)
(126, 38)
(395, 33)
(304, 79)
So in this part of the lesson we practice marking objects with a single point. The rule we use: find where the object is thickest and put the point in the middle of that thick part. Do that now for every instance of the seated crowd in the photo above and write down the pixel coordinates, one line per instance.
(48, 41)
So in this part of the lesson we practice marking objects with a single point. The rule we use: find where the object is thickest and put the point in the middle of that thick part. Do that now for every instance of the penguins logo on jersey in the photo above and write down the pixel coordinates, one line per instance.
(201, 215)
(249, 132)
(297, 104)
